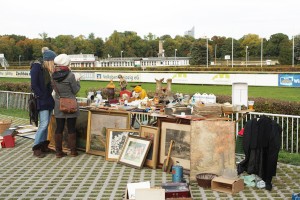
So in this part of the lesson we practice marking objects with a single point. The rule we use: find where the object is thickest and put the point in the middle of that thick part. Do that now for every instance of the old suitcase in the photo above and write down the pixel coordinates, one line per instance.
(176, 190)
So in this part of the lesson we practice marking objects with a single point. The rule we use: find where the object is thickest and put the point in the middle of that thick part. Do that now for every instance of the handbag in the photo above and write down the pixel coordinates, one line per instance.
(33, 111)
(66, 104)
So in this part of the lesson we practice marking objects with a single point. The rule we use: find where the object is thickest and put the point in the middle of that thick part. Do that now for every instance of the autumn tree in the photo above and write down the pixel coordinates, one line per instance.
(198, 53)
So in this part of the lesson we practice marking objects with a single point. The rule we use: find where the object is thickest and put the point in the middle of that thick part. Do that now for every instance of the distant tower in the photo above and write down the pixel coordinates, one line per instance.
(161, 51)
(190, 32)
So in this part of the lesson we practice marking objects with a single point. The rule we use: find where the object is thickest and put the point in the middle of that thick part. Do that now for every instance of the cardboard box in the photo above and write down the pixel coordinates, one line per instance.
(147, 193)
(230, 186)
(150, 194)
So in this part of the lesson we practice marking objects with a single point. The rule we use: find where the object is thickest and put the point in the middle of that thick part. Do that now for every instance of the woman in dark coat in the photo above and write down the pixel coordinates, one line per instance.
(65, 85)
(42, 89)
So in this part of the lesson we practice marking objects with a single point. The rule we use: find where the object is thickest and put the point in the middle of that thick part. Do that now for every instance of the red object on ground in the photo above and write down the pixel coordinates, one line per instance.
(8, 141)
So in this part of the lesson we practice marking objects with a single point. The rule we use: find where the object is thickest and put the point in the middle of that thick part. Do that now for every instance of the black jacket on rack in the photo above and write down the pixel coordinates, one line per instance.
(261, 144)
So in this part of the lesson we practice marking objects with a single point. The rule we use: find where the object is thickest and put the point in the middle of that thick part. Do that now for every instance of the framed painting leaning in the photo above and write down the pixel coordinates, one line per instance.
(134, 152)
(115, 140)
(98, 122)
(152, 133)
(181, 134)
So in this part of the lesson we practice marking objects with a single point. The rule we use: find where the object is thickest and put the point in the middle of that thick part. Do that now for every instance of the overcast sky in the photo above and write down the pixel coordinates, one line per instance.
(231, 18)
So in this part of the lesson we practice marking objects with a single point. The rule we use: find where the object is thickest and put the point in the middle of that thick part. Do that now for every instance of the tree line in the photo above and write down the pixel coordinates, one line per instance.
(278, 46)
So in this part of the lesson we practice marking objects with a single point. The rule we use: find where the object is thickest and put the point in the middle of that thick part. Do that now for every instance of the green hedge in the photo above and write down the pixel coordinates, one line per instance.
(269, 105)
(16, 87)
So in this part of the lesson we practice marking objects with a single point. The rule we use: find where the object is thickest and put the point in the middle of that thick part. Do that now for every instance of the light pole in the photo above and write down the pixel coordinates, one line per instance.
(20, 60)
(215, 54)
(121, 58)
(206, 52)
(231, 52)
(246, 56)
(175, 57)
(293, 51)
(261, 53)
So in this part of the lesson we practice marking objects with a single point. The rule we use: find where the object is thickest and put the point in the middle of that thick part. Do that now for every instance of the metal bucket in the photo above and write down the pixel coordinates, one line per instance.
(177, 173)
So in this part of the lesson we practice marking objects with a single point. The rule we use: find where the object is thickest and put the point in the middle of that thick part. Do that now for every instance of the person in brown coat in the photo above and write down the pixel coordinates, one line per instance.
(65, 85)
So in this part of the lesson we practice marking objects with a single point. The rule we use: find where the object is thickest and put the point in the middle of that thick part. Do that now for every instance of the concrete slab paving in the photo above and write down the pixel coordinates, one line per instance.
(24, 176)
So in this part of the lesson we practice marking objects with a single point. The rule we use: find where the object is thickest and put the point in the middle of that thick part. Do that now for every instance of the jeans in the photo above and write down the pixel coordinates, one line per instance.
(42, 132)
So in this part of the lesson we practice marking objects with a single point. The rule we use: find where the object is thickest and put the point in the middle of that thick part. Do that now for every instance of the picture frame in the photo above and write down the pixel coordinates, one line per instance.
(152, 133)
(134, 152)
(98, 122)
(212, 147)
(81, 132)
(181, 135)
(115, 140)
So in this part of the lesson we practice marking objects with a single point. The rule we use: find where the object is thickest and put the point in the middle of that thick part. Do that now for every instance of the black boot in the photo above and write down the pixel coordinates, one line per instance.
(58, 146)
(72, 144)
(45, 147)
(37, 152)
(268, 186)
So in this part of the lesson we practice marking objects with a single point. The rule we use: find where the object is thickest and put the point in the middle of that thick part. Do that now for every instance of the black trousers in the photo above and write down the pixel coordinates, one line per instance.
(60, 125)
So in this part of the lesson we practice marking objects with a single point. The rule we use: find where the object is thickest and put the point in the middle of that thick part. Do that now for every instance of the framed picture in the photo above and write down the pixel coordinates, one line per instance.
(212, 147)
(181, 134)
(81, 132)
(135, 151)
(98, 122)
(115, 140)
(152, 133)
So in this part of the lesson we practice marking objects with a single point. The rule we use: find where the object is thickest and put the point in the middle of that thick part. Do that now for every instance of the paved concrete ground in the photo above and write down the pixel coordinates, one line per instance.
(91, 177)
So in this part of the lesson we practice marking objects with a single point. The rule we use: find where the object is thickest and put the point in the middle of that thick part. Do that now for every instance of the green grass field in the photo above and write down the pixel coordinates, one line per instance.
(280, 93)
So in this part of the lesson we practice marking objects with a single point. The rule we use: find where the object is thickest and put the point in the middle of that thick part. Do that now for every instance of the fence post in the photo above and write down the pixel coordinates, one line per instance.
(7, 100)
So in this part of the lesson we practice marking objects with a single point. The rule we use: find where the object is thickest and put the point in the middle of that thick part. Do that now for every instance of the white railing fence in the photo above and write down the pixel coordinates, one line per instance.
(290, 137)
(16, 100)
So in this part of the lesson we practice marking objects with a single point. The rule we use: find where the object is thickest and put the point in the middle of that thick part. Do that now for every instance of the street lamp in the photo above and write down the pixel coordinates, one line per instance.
(20, 60)
(293, 51)
(215, 54)
(121, 57)
(175, 57)
(206, 52)
(261, 53)
(231, 52)
(246, 55)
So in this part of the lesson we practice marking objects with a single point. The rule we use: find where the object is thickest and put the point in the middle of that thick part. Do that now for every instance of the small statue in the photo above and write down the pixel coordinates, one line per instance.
(158, 88)
(122, 82)
(110, 88)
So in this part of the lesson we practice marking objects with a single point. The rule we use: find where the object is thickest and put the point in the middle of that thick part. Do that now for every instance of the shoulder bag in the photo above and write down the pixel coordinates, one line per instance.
(66, 105)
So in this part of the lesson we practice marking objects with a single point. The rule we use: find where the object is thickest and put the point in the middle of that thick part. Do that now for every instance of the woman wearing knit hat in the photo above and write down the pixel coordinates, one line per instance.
(65, 85)
(48, 58)
(42, 89)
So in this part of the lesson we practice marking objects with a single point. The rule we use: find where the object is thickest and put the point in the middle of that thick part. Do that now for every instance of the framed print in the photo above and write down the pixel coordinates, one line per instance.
(181, 134)
(115, 140)
(98, 122)
(134, 151)
(212, 147)
(152, 133)
(81, 132)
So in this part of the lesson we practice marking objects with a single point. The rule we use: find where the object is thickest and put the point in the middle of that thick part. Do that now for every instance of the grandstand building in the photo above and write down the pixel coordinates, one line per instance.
(89, 60)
